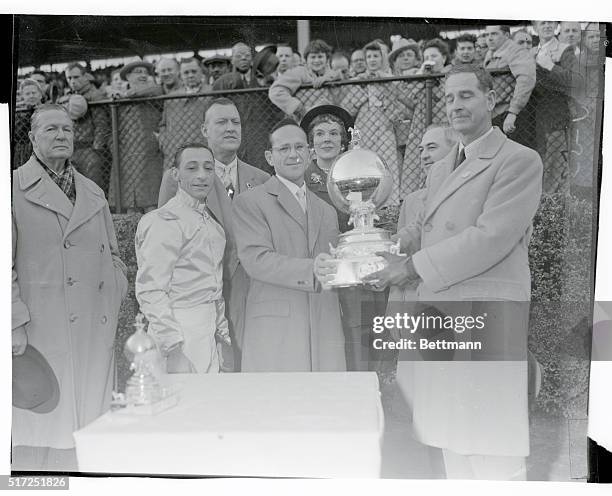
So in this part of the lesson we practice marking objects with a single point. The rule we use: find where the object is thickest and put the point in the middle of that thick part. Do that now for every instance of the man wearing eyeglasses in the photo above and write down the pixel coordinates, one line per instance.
(283, 232)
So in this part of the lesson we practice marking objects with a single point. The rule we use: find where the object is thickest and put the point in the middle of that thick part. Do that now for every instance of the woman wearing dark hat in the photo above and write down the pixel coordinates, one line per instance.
(141, 162)
(327, 129)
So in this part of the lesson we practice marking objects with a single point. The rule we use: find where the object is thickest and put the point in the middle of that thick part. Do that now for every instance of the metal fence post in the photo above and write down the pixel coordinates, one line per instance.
(115, 171)
(429, 83)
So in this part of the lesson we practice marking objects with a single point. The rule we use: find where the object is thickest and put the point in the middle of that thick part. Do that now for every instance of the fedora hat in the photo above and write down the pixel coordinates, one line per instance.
(339, 112)
(126, 69)
(403, 44)
(35, 386)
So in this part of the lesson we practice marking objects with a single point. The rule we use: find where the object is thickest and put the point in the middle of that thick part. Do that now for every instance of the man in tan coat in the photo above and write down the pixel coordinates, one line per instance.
(281, 229)
(468, 246)
(67, 286)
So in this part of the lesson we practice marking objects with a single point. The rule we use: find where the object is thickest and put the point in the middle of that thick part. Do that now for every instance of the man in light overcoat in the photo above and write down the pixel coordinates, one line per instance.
(67, 287)
(281, 227)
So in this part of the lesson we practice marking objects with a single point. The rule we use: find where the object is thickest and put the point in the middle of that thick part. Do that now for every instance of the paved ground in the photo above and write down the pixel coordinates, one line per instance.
(558, 447)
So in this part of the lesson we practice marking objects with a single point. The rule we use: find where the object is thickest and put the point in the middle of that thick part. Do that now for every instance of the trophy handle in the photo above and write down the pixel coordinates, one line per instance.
(332, 251)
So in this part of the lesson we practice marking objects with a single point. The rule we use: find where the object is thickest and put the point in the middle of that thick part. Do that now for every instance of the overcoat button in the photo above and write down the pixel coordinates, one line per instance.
(101, 285)
(450, 226)
(67, 244)
(73, 317)
(102, 248)
(103, 319)
(70, 281)
(427, 227)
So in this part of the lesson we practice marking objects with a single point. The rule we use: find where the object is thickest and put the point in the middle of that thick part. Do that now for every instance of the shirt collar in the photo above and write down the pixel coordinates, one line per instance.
(549, 42)
(469, 149)
(48, 169)
(231, 166)
(187, 200)
(294, 188)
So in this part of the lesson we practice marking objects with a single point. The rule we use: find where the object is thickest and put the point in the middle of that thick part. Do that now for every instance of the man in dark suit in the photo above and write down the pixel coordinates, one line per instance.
(222, 129)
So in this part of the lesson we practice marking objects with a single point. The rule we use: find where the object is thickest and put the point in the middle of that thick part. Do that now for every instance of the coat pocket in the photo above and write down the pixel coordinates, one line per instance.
(269, 308)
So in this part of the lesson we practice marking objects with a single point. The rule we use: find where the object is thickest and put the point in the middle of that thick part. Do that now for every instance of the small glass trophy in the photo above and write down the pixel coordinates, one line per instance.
(143, 392)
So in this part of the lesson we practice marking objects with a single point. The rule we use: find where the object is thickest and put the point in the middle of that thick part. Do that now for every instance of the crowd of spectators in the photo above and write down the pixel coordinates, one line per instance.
(545, 103)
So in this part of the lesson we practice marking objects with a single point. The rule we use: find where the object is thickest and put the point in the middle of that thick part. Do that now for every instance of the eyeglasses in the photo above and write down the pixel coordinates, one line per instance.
(285, 150)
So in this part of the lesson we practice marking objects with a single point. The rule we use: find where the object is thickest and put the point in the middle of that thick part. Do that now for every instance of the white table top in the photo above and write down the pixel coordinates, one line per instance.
(317, 424)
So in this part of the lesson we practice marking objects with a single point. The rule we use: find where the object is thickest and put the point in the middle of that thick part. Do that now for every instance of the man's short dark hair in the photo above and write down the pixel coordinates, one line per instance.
(75, 65)
(222, 100)
(466, 38)
(504, 28)
(190, 144)
(317, 46)
(283, 123)
(450, 135)
(46, 107)
(440, 45)
(485, 81)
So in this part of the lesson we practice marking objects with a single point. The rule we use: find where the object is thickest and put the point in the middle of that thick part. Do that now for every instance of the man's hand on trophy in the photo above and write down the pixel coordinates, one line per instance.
(398, 271)
(325, 267)
(178, 363)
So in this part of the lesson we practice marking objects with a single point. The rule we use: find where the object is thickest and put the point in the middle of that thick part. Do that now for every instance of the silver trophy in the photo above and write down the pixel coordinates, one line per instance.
(358, 183)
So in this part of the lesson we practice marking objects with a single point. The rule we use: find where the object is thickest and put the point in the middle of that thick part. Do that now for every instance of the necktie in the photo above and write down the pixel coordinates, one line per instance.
(460, 158)
(301, 197)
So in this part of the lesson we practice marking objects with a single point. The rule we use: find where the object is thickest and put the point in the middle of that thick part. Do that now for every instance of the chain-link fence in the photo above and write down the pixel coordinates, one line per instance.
(128, 158)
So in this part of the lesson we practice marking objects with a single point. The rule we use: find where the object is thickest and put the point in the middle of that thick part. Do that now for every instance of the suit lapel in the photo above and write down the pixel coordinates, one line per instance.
(315, 215)
(454, 179)
(42, 191)
(288, 202)
(88, 203)
(246, 180)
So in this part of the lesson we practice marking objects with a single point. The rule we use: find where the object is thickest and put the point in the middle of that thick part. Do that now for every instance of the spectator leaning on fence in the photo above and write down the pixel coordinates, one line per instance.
(340, 62)
(192, 77)
(465, 49)
(480, 48)
(168, 72)
(557, 81)
(358, 63)
(316, 72)
(217, 65)
(435, 61)
(140, 161)
(241, 75)
(509, 113)
(570, 33)
(284, 54)
(31, 97)
(405, 57)
(523, 39)
(92, 131)
(182, 117)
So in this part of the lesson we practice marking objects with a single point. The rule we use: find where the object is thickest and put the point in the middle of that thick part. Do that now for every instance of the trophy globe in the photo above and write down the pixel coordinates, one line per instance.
(358, 183)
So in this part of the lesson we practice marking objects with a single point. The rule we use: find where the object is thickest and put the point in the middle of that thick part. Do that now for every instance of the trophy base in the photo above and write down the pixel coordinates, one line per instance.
(356, 255)
(351, 271)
